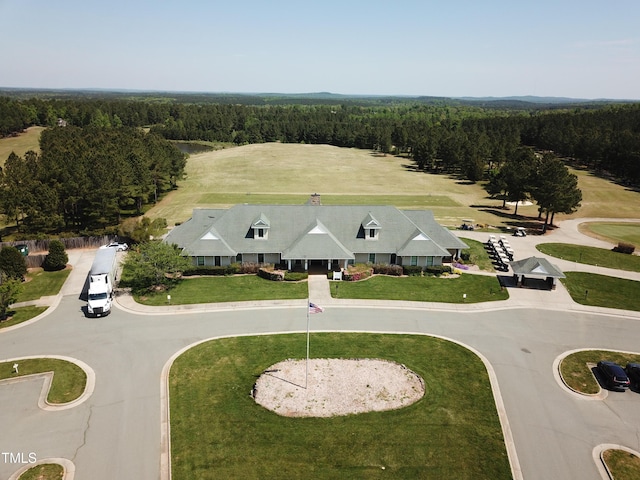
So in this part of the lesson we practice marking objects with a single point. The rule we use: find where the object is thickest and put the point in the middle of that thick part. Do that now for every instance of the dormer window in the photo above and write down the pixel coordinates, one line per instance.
(371, 227)
(261, 227)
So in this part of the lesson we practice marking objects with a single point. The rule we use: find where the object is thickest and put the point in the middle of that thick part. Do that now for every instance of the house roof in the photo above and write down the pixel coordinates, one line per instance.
(313, 231)
(534, 266)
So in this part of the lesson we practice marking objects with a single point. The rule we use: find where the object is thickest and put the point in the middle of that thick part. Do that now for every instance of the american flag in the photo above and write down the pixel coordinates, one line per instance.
(313, 308)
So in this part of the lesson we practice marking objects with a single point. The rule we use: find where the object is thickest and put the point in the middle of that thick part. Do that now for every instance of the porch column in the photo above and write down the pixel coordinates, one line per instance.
(289, 264)
(329, 263)
(306, 265)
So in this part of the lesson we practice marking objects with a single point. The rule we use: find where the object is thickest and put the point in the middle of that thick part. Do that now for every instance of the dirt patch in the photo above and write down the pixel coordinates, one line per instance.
(336, 387)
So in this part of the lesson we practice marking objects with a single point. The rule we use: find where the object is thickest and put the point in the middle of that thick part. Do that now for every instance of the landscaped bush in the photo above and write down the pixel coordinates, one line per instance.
(356, 272)
(249, 267)
(412, 270)
(437, 269)
(295, 276)
(269, 273)
(465, 256)
(211, 270)
(57, 258)
(386, 269)
(624, 247)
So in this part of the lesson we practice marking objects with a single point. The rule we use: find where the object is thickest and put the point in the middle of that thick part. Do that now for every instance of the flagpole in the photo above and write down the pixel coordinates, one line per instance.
(306, 373)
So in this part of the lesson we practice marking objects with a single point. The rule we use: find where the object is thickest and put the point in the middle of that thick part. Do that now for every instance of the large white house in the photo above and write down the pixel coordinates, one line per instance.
(300, 236)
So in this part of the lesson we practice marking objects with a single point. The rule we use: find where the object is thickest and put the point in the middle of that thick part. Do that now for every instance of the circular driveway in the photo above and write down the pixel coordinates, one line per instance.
(116, 432)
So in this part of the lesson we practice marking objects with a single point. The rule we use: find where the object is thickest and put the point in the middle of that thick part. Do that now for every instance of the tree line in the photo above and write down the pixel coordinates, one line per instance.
(440, 136)
(85, 178)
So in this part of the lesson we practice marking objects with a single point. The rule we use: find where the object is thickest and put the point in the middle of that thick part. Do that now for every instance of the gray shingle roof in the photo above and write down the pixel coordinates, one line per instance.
(290, 228)
(534, 266)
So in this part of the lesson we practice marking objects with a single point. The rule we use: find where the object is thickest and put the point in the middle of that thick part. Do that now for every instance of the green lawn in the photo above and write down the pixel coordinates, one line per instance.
(478, 255)
(41, 284)
(478, 288)
(69, 380)
(603, 291)
(22, 314)
(577, 374)
(218, 431)
(591, 256)
(615, 232)
(226, 289)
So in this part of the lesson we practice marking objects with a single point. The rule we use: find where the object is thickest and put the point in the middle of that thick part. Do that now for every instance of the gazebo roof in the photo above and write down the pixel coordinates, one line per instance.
(534, 266)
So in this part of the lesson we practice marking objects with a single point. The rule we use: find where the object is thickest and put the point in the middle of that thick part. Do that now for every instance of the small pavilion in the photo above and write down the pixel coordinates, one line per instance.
(535, 268)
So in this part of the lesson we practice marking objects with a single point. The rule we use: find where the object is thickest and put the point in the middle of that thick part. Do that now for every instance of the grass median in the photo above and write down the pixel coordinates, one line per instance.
(577, 375)
(218, 431)
(69, 380)
(46, 471)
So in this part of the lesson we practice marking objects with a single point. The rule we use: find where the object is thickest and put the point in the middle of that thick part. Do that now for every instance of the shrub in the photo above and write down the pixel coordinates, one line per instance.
(12, 263)
(465, 256)
(412, 270)
(357, 272)
(270, 274)
(249, 267)
(57, 258)
(386, 269)
(437, 269)
(295, 276)
(623, 247)
(210, 270)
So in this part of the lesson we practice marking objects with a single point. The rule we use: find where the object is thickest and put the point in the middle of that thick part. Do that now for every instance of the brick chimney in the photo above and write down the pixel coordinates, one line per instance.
(315, 199)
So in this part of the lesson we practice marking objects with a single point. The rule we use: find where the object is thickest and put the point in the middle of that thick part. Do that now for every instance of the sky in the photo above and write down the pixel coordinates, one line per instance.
(452, 48)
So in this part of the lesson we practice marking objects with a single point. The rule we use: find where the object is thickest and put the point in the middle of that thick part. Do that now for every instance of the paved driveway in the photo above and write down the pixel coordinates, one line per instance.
(116, 432)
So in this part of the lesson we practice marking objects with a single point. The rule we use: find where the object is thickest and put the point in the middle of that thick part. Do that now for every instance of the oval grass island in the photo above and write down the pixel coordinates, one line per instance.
(217, 430)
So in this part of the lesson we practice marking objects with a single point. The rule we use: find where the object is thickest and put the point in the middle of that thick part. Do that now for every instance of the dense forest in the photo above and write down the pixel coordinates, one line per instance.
(85, 178)
(101, 163)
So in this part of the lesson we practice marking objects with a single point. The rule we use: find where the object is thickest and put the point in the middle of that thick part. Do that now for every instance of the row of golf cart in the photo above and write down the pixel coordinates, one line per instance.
(500, 251)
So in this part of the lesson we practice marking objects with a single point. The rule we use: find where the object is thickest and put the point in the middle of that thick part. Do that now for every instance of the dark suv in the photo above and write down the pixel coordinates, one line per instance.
(614, 375)
(633, 372)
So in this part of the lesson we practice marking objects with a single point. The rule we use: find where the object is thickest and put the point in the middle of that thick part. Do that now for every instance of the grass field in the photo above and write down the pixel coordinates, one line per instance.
(68, 383)
(218, 431)
(614, 232)
(29, 140)
(577, 374)
(289, 173)
(603, 291)
(591, 256)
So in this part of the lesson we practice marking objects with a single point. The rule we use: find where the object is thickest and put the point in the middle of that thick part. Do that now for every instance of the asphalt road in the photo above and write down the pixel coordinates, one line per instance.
(116, 433)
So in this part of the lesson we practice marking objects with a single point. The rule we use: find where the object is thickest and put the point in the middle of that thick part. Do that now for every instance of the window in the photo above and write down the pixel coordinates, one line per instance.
(372, 233)
(261, 233)
(372, 258)
(217, 261)
(414, 261)
(261, 258)
(239, 258)
(200, 261)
